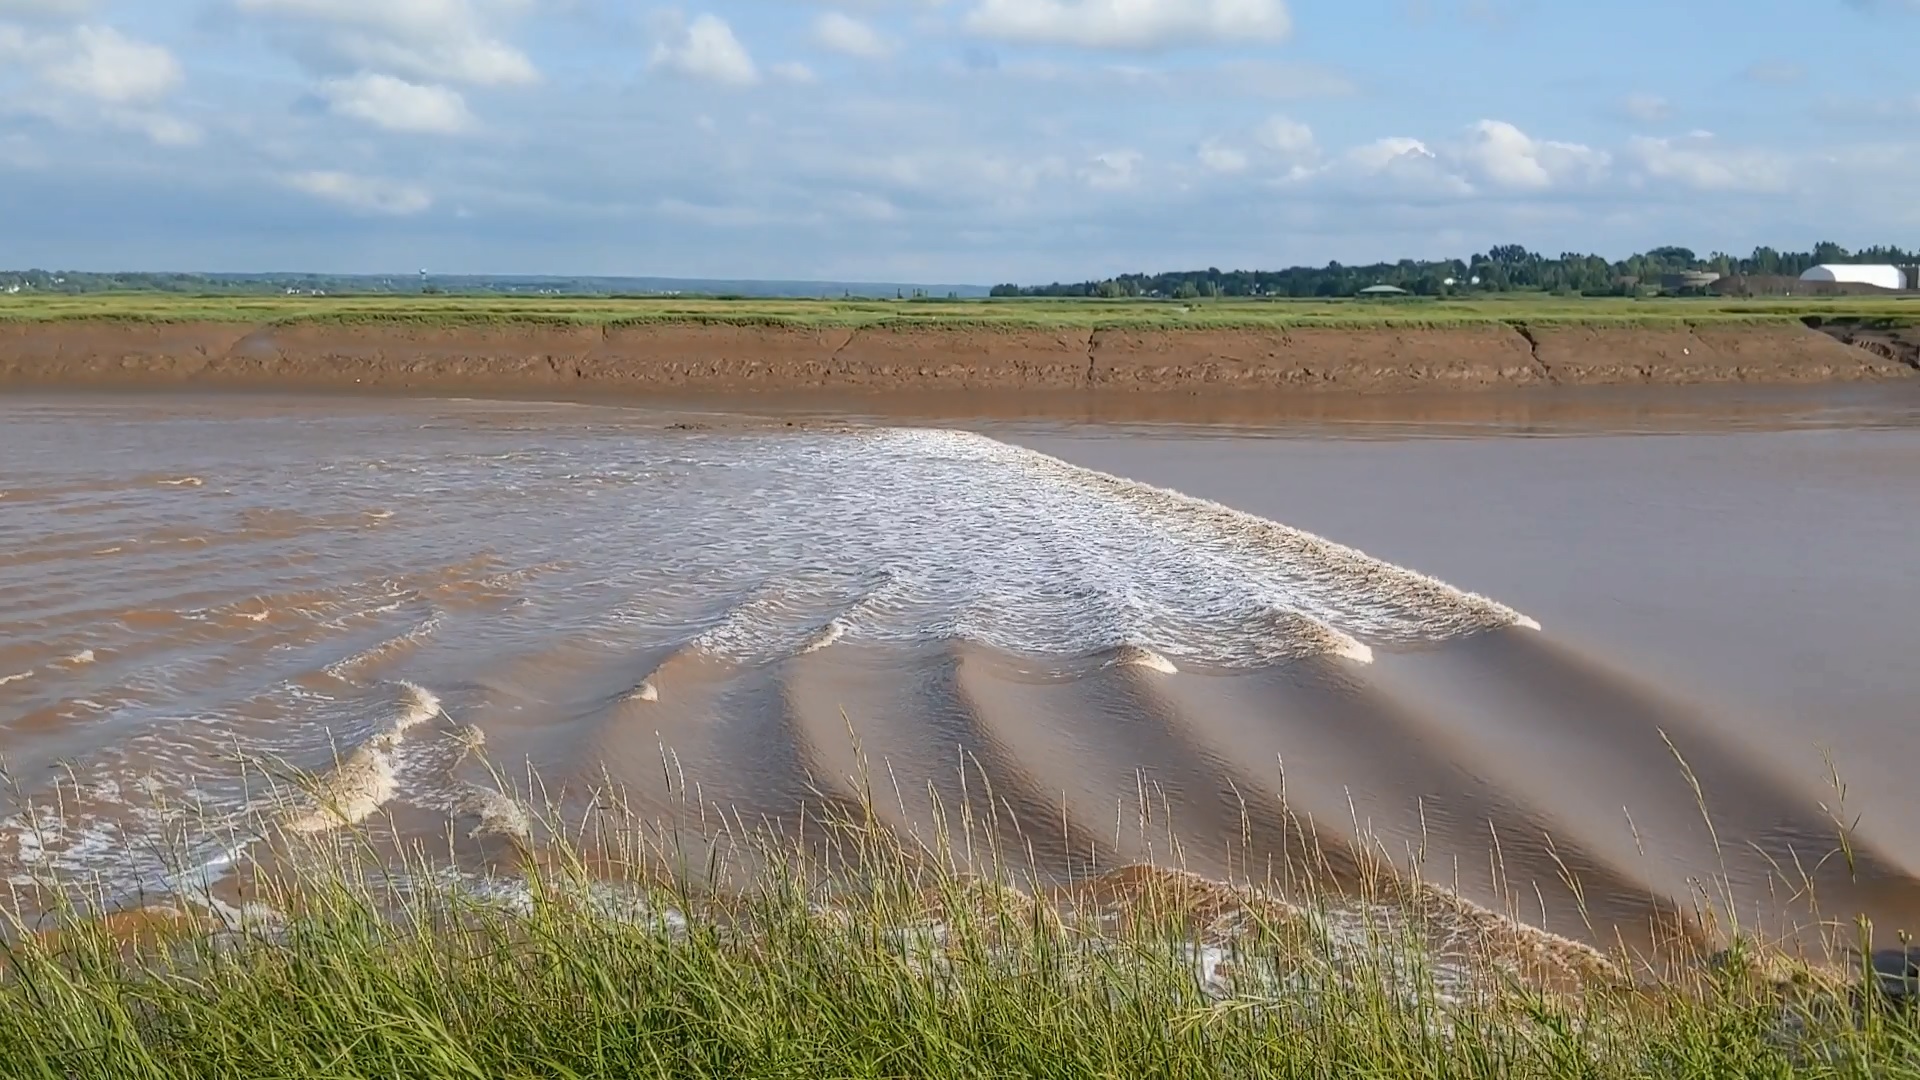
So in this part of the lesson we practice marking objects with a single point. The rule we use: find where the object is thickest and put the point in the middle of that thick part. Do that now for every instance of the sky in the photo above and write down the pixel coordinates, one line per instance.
(950, 141)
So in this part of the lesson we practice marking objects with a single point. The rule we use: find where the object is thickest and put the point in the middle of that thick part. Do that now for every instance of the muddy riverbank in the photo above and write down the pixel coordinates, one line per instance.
(560, 359)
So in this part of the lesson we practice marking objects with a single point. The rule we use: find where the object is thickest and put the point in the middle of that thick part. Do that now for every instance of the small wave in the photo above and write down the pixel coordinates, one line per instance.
(21, 677)
(499, 813)
(1137, 656)
(79, 659)
(386, 650)
(824, 638)
(646, 691)
(184, 481)
(367, 779)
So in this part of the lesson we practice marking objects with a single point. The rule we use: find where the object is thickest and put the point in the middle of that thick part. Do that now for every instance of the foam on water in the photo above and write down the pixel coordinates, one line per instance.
(905, 535)
(366, 779)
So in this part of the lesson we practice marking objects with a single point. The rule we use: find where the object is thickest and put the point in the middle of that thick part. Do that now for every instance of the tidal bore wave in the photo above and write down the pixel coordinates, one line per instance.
(750, 624)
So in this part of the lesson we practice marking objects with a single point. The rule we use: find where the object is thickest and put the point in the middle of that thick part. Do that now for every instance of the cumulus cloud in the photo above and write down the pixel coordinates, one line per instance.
(362, 193)
(1510, 158)
(1703, 162)
(95, 77)
(108, 66)
(1286, 136)
(1382, 154)
(1130, 24)
(394, 104)
(1398, 165)
(1222, 157)
(845, 34)
(1277, 141)
(706, 49)
(454, 40)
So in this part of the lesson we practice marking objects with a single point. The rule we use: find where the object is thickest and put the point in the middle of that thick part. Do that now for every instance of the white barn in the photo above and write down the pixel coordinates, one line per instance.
(1885, 277)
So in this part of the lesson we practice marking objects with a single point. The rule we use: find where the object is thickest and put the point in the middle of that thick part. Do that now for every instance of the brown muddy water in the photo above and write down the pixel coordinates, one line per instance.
(1135, 637)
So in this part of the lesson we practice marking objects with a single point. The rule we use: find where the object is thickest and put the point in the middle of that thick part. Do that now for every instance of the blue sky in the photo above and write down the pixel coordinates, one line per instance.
(942, 140)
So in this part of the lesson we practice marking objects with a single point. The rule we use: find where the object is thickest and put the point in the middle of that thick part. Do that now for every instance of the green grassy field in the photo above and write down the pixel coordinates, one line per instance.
(963, 314)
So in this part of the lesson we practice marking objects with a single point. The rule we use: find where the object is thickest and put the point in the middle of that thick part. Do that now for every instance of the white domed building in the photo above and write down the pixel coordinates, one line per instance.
(1881, 277)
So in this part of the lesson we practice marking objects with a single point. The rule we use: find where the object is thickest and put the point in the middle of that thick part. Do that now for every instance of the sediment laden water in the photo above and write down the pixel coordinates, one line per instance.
(747, 619)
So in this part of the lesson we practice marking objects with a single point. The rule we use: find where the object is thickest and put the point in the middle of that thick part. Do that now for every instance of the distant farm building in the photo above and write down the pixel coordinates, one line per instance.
(1880, 277)
(1381, 292)
(1688, 281)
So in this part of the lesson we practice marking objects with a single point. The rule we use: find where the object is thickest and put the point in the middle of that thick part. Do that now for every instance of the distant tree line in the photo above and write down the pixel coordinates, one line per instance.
(79, 281)
(1504, 268)
(262, 284)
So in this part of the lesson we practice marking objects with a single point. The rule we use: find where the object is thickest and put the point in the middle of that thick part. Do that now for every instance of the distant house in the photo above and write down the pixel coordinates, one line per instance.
(1381, 292)
(1880, 277)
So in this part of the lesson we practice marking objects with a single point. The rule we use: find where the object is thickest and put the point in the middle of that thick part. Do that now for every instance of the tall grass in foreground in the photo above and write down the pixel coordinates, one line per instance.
(621, 947)
(880, 960)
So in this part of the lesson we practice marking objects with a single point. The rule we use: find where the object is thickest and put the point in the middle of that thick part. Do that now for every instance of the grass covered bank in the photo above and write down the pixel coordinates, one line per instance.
(896, 969)
(455, 311)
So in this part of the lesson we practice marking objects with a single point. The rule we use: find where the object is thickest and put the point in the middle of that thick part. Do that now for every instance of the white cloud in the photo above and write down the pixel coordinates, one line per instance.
(110, 80)
(1286, 137)
(706, 49)
(845, 34)
(363, 193)
(1396, 165)
(1648, 108)
(1702, 162)
(1510, 158)
(108, 66)
(794, 72)
(1130, 24)
(1276, 141)
(1112, 170)
(1382, 154)
(398, 105)
(456, 40)
(1221, 157)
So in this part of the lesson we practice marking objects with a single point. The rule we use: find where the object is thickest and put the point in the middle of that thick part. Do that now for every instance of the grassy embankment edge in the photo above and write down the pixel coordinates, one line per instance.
(970, 316)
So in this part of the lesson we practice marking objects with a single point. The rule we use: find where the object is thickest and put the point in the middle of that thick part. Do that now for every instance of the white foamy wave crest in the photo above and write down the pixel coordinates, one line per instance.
(783, 618)
(17, 677)
(366, 779)
(387, 650)
(905, 535)
(1307, 574)
(908, 535)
